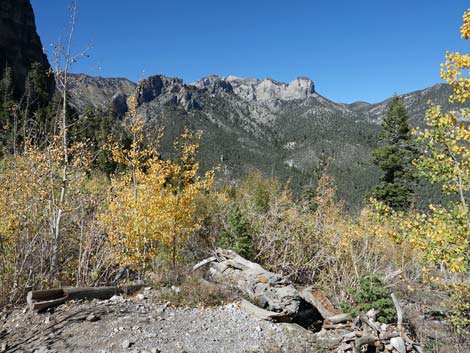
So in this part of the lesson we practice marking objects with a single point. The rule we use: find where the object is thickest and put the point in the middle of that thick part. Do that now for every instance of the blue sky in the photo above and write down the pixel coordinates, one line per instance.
(353, 50)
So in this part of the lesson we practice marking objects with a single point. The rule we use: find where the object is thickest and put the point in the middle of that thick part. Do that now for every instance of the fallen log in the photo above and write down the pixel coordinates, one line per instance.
(271, 293)
(46, 304)
(41, 300)
(45, 294)
(269, 290)
(88, 293)
(340, 318)
(362, 341)
(336, 326)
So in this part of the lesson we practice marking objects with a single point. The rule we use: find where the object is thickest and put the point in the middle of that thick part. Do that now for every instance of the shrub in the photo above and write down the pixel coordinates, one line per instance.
(459, 305)
(371, 294)
(235, 235)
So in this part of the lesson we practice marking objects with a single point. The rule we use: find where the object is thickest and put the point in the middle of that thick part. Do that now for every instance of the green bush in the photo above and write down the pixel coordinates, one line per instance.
(371, 294)
(236, 235)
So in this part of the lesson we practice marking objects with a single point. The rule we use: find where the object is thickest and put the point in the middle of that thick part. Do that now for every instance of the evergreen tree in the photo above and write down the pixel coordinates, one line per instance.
(394, 156)
(37, 85)
(6, 85)
(7, 107)
(236, 234)
(96, 128)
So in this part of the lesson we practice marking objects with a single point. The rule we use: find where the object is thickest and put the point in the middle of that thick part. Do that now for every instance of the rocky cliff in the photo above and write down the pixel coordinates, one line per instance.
(20, 44)
(266, 90)
(100, 93)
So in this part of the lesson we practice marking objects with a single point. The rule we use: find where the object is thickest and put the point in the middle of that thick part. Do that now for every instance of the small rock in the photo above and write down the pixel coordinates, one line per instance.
(116, 298)
(140, 296)
(155, 350)
(92, 317)
(3, 347)
(126, 344)
(398, 344)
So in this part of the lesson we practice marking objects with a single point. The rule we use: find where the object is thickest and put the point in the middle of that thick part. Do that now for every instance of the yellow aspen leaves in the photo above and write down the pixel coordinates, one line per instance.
(152, 203)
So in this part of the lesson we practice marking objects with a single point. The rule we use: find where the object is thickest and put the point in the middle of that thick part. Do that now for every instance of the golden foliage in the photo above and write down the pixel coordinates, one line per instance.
(439, 236)
(30, 186)
(455, 70)
(152, 203)
(444, 233)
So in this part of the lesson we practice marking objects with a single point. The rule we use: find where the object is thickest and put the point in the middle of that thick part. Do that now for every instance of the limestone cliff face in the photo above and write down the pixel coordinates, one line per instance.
(265, 90)
(20, 44)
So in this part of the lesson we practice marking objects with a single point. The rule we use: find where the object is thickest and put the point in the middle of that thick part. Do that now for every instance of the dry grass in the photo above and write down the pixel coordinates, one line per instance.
(194, 291)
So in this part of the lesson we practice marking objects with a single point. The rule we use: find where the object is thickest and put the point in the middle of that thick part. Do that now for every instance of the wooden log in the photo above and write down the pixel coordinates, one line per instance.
(44, 295)
(351, 336)
(318, 299)
(340, 318)
(370, 323)
(204, 262)
(41, 300)
(130, 288)
(362, 341)
(385, 336)
(273, 292)
(87, 293)
(399, 311)
(336, 326)
(44, 305)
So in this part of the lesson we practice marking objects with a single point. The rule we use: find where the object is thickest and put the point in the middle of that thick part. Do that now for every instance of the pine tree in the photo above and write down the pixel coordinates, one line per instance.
(7, 109)
(236, 233)
(6, 85)
(394, 157)
(37, 85)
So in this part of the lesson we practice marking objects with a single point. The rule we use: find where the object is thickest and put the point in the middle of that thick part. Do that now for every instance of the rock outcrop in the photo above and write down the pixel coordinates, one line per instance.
(167, 90)
(265, 90)
(100, 93)
(20, 45)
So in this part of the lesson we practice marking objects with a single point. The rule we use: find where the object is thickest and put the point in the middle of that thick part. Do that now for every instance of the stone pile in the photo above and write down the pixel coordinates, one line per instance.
(365, 334)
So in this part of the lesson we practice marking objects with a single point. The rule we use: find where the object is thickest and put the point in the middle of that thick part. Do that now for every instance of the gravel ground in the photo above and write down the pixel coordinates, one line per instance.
(144, 325)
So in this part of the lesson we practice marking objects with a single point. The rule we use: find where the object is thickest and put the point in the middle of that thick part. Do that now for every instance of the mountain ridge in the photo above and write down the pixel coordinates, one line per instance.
(287, 130)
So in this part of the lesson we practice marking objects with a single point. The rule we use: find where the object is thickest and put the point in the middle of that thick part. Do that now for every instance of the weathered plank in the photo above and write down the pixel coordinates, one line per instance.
(48, 298)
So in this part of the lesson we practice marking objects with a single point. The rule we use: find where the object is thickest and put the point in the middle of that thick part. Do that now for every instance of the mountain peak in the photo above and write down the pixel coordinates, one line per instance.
(254, 89)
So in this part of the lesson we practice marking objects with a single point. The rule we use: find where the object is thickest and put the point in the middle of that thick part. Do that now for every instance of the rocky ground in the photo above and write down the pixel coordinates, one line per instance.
(142, 324)
(167, 321)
